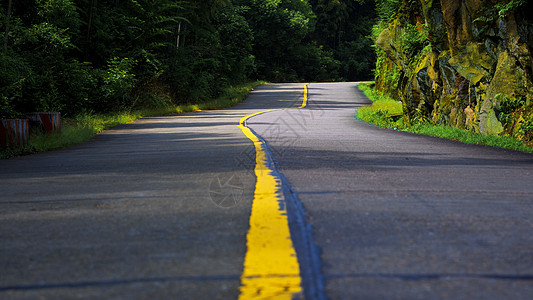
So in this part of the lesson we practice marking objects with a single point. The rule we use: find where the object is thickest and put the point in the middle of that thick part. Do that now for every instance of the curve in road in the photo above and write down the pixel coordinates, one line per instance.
(271, 267)
(403, 216)
(158, 208)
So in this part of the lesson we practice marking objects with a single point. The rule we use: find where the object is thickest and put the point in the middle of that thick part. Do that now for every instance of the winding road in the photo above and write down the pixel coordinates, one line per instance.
(165, 207)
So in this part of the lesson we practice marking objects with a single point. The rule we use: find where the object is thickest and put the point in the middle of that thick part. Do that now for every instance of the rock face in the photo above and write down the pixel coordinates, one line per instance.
(462, 63)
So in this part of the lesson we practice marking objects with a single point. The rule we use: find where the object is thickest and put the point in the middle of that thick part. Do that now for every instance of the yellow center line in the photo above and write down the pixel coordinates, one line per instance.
(271, 269)
(304, 103)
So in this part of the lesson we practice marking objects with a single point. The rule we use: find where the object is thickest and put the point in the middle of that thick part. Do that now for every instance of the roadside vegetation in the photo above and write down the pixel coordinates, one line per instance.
(80, 57)
(456, 74)
(84, 127)
(387, 112)
(102, 63)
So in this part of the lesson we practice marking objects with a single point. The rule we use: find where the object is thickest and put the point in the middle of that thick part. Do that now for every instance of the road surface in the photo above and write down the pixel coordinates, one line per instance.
(400, 216)
(160, 208)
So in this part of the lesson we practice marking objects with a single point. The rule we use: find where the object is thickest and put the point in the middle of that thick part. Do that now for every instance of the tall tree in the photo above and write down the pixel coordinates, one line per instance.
(280, 27)
(8, 17)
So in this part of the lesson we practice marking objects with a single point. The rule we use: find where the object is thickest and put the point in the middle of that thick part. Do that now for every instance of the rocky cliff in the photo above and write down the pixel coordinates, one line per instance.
(463, 63)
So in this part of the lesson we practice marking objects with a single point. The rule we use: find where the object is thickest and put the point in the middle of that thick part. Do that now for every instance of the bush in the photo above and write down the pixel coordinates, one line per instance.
(118, 80)
(412, 42)
(15, 74)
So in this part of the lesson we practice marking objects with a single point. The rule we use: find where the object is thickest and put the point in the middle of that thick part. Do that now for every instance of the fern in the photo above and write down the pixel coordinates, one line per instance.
(505, 9)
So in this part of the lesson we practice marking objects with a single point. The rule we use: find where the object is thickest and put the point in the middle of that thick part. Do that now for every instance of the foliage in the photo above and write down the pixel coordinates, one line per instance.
(342, 29)
(526, 130)
(379, 114)
(356, 59)
(490, 15)
(386, 9)
(6, 110)
(383, 110)
(507, 107)
(504, 9)
(118, 79)
(106, 56)
(85, 126)
(412, 41)
(280, 27)
(236, 37)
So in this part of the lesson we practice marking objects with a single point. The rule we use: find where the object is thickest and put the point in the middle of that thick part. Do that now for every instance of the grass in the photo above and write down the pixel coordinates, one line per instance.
(386, 112)
(84, 127)
(383, 109)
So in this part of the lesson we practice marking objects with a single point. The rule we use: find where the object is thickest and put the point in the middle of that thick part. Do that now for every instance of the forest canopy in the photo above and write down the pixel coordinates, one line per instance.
(87, 56)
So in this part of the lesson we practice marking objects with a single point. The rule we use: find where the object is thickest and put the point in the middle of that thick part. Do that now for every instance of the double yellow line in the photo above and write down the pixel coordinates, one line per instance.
(271, 269)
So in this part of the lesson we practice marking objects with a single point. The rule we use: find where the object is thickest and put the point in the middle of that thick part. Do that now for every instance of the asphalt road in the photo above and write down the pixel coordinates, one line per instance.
(160, 208)
(155, 209)
(400, 216)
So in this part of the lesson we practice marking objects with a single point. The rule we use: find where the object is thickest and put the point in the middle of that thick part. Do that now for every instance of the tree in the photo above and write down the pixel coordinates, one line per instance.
(343, 27)
(279, 26)
(8, 16)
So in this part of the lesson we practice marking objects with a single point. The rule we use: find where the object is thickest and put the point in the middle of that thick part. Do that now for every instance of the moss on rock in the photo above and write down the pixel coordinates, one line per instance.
(472, 62)
(472, 55)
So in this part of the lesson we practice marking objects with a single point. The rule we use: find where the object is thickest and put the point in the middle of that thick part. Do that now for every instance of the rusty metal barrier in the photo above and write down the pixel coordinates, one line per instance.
(45, 121)
(14, 133)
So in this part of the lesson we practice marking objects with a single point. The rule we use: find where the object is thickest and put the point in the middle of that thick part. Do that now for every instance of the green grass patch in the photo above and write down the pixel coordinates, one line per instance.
(383, 110)
(386, 112)
(85, 126)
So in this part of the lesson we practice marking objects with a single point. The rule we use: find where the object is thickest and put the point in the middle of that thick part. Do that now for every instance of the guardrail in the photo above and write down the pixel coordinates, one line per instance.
(15, 133)
(44, 122)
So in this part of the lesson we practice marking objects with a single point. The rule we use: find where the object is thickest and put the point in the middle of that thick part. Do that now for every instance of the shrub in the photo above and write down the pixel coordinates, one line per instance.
(412, 42)
(118, 80)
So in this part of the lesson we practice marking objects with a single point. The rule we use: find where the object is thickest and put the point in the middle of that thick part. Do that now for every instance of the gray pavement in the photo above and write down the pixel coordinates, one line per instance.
(159, 208)
(400, 216)
(155, 209)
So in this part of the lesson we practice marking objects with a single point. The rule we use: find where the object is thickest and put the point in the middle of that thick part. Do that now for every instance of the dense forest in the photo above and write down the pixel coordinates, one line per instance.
(94, 56)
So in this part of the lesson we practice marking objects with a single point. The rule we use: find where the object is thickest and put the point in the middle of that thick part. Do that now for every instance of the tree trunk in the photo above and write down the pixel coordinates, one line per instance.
(179, 33)
(89, 27)
(8, 16)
